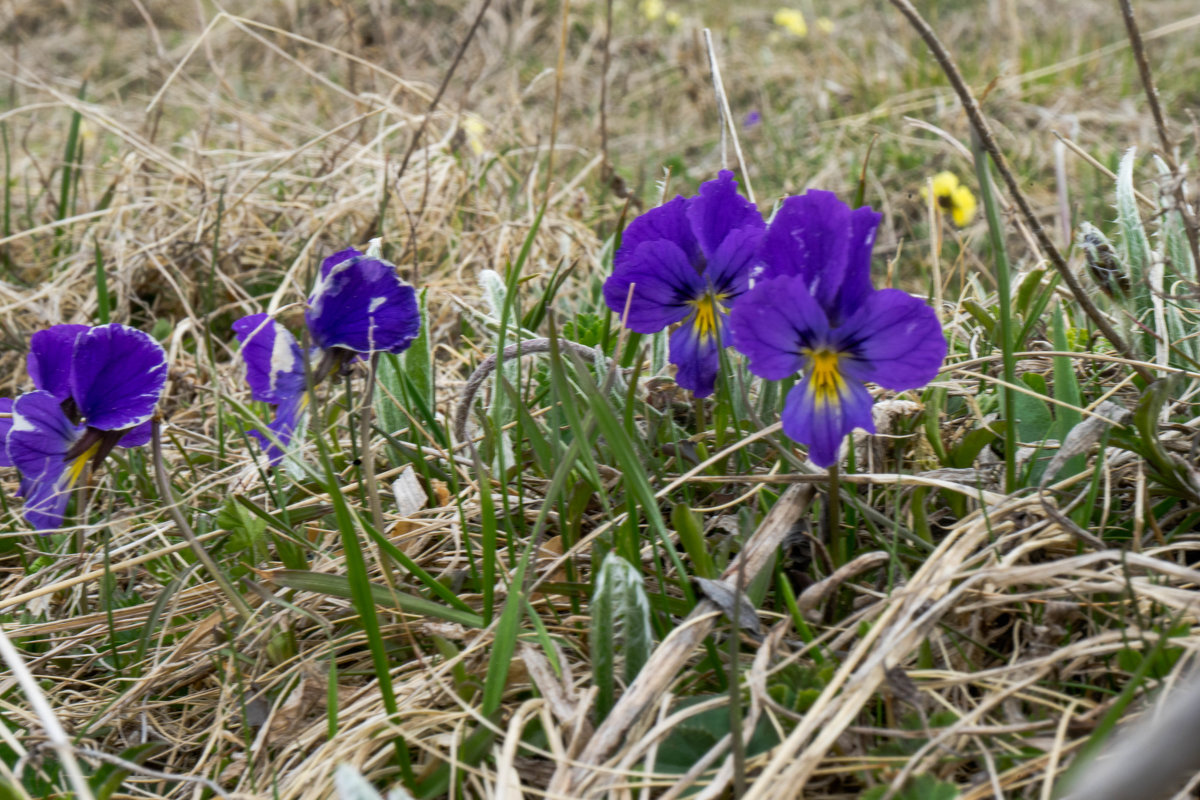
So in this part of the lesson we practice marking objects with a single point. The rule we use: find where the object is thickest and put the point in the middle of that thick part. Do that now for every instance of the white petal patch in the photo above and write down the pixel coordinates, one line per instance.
(283, 358)
(325, 285)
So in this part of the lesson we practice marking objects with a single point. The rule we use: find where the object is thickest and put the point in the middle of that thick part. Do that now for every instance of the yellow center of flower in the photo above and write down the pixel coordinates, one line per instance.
(705, 318)
(824, 377)
(76, 468)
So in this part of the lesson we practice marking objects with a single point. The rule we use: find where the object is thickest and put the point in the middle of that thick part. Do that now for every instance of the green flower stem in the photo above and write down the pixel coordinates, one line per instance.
(833, 518)
(1004, 295)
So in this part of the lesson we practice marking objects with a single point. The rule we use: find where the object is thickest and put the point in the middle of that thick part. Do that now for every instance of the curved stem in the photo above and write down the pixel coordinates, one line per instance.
(521, 349)
(980, 124)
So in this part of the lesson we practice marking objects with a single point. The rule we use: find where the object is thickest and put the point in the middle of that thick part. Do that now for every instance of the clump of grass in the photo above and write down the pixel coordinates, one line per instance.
(1003, 575)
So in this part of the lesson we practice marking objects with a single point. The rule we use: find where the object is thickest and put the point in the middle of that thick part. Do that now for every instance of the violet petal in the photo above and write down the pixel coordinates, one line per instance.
(274, 362)
(49, 360)
(37, 445)
(117, 376)
(664, 284)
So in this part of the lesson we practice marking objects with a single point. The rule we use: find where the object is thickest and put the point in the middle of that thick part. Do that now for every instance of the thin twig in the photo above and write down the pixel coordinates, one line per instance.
(1139, 54)
(437, 98)
(728, 129)
(1086, 156)
(980, 124)
(604, 88)
(558, 78)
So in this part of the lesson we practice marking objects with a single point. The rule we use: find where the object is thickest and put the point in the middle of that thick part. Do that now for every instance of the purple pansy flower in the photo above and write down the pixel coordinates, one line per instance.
(96, 389)
(275, 372)
(688, 261)
(813, 310)
(360, 305)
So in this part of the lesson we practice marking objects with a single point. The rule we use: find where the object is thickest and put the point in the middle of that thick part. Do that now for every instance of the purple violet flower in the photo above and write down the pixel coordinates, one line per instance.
(360, 305)
(96, 389)
(275, 372)
(688, 261)
(813, 310)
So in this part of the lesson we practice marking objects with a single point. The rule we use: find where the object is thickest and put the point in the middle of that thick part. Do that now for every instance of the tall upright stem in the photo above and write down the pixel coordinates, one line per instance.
(1004, 295)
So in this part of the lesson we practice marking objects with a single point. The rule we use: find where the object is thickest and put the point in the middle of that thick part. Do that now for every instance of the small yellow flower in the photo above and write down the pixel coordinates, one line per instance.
(474, 128)
(792, 21)
(87, 132)
(953, 198)
(825, 25)
(652, 9)
(673, 18)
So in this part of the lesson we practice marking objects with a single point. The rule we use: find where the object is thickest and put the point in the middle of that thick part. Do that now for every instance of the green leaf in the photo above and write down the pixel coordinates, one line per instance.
(1033, 415)
(620, 624)
(1066, 390)
(1028, 290)
(109, 777)
(696, 735)
(12, 791)
(1135, 246)
(247, 534)
(983, 317)
(935, 404)
(636, 478)
(1134, 243)
(691, 536)
(586, 329)
(1173, 244)
(389, 388)
(1038, 303)
(1146, 416)
(418, 358)
(966, 451)
(289, 546)
(922, 787)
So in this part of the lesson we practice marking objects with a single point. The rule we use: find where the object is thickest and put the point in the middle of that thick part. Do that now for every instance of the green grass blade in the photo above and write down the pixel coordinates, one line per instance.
(362, 595)
(343, 586)
(1004, 301)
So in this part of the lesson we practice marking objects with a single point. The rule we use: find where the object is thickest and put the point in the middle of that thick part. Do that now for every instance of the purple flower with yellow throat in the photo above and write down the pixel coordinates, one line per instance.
(687, 261)
(813, 310)
(359, 306)
(96, 389)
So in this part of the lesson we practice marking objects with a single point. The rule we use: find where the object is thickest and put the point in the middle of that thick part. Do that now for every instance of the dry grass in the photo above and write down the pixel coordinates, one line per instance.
(225, 153)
